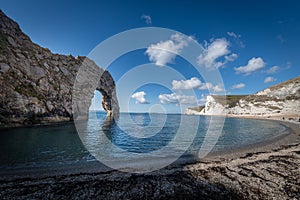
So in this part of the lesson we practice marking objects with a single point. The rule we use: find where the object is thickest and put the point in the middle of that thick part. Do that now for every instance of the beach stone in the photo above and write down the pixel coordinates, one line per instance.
(4, 67)
(273, 174)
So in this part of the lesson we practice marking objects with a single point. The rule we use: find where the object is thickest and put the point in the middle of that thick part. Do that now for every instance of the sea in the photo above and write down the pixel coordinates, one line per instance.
(150, 137)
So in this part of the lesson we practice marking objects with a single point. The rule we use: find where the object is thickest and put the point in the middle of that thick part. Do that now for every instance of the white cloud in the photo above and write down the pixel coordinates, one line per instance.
(231, 57)
(190, 84)
(269, 79)
(168, 98)
(147, 19)
(217, 88)
(238, 86)
(233, 34)
(139, 97)
(273, 70)
(165, 51)
(237, 38)
(195, 83)
(202, 100)
(206, 86)
(176, 99)
(210, 86)
(253, 65)
(214, 51)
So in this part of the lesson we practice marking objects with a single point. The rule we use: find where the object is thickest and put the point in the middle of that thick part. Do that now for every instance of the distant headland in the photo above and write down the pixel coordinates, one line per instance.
(281, 101)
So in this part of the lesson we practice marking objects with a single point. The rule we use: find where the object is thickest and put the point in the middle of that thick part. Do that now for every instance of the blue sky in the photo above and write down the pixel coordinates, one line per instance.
(252, 44)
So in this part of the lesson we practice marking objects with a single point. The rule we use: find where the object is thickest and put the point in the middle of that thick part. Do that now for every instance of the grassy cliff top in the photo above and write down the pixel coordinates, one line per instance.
(280, 85)
(197, 108)
(230, 100)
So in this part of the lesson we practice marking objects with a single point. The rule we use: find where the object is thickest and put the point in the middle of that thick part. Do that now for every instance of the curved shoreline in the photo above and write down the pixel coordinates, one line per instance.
(264, 171)
(291, 135)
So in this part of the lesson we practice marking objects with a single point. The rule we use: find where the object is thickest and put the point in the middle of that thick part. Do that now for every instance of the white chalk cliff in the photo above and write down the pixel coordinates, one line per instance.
(279, 100)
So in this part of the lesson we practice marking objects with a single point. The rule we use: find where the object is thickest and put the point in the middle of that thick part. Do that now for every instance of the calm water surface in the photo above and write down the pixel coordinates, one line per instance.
(60, 145)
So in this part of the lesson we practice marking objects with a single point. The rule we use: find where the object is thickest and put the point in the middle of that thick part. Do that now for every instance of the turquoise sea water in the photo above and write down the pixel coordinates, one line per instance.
(60, 145)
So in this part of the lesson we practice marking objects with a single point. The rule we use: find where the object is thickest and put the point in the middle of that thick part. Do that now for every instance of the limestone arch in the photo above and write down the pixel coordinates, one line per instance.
(91, 77)
(106, 86)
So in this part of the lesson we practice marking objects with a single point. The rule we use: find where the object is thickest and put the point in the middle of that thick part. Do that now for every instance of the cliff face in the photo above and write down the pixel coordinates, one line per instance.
(279, 100)
(37, 85)
(282, 99)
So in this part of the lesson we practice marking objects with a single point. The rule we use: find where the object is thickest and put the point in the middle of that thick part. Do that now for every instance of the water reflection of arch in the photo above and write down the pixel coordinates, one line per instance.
(108, 128)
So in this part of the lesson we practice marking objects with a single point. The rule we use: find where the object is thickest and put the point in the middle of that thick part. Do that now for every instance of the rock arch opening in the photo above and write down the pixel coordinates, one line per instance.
(107, 87)
(89, 78)
(96, 102)
(101, 101)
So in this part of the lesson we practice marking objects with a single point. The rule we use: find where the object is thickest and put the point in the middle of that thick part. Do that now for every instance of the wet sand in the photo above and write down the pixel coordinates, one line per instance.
(269, 170)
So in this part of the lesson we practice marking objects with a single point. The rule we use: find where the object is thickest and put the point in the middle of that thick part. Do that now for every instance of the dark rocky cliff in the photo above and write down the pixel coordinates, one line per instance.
(36, 85)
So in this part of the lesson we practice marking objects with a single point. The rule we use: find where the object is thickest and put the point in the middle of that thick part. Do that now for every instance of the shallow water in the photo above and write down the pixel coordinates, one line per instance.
(60, 145)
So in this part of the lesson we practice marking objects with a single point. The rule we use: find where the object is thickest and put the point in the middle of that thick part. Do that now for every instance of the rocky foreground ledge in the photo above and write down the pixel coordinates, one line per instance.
(269, 173)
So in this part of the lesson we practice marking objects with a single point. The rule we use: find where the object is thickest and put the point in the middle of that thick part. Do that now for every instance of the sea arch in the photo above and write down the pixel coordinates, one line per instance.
(91, 77)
